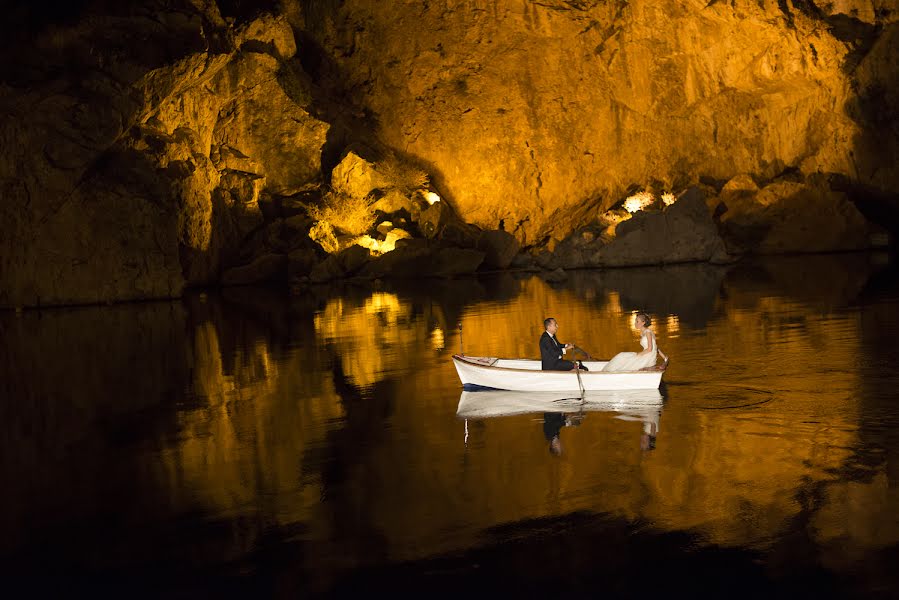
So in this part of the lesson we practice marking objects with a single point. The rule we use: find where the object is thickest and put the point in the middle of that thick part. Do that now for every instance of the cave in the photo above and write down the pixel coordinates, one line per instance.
(156, 147)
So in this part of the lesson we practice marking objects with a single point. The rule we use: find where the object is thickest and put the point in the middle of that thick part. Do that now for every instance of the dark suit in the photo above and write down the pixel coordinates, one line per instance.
(551, 354)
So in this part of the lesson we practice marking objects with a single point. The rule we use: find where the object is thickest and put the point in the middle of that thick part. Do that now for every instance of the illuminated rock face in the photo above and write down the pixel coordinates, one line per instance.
(526, 111)
(167, 146)
(133, 169)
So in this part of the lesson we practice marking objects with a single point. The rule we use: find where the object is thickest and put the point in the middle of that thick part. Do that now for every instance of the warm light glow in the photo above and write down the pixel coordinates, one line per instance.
(432, 198)
(378, 247)
(668, 198)
(375, 246)
(384, 303)
(437, 340)
(638, 201)
(672, 324)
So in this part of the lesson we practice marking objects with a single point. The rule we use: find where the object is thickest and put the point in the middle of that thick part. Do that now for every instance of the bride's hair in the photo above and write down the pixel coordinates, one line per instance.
(646, 319)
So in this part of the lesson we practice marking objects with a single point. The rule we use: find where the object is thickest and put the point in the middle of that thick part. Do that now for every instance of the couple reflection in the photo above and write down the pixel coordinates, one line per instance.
(560, 410)
(553, 422)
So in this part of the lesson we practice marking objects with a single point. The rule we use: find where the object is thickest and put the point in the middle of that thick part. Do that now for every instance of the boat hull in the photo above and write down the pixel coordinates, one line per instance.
(526, 376)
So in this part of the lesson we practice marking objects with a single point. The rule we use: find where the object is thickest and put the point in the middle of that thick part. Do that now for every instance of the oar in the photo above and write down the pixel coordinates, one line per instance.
(587, 354)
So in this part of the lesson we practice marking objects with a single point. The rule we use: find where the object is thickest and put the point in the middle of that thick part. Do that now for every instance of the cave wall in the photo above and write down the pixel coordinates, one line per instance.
(524, 110)
(143, 140)
(137, 143)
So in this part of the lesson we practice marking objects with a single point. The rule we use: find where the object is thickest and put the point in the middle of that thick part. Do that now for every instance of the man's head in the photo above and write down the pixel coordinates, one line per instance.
(550, 325)
(555, 446)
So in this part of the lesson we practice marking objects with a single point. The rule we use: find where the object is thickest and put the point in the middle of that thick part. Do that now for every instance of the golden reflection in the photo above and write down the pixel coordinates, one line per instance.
(258, 418)
(763, 408)
(374, 338)
(672, 324)
(731, 474)
(668, 198)
(437, 341)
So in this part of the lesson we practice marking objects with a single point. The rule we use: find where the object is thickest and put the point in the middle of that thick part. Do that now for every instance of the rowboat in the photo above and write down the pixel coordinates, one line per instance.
(526, 375)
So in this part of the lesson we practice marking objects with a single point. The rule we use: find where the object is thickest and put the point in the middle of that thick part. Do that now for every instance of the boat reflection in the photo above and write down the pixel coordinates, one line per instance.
(564, 409)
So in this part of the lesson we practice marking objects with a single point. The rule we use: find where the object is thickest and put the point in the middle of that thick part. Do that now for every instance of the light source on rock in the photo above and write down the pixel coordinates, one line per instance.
(384, 246)
(668, 198)
(638, 201)
(375, 246)
(432, 198)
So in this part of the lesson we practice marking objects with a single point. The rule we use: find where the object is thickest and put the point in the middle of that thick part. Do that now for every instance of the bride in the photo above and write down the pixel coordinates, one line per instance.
(634, 361)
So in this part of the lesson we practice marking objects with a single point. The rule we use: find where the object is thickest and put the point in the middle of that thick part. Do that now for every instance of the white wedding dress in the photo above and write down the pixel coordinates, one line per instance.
(632, 361)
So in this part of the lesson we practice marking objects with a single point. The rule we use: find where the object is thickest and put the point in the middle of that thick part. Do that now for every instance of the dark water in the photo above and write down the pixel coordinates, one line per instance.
(253, 445)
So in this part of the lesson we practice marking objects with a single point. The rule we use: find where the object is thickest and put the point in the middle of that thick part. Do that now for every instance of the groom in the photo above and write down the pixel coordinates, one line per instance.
(551, 349)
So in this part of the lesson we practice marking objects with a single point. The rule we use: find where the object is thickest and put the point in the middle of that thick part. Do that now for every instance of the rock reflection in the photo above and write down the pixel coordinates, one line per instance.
(688, 292)
(334, 420)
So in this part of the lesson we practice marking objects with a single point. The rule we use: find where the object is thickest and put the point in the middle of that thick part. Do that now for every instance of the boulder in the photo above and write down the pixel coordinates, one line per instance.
(392, 202)
(433, 219)
(407, 260)
(356, 177)
(347, 262)
(302, 261)
(523, 261)
(449, 262)
(786, 217)
(395, 235)
(683, 232)
(499, 248)
(268, 267)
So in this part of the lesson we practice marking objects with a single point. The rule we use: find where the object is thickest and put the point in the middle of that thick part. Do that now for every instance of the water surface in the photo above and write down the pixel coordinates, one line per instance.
(251, 443)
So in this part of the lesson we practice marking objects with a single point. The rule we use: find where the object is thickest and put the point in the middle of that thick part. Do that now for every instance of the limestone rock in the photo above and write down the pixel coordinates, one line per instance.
(407, 261)
(268, 267)
(499, 248)
(132, 170)
(529, 110)
(684, 232)
(356, 177)
(449, 262)
(393, 202)
(433, 219)
(302, 261)
(777, 220)
(263, 122)
(342, 264)
(270, 34)
(415, 259)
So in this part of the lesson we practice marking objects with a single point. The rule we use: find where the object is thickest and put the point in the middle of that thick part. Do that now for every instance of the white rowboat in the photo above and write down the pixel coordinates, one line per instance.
(526, 375)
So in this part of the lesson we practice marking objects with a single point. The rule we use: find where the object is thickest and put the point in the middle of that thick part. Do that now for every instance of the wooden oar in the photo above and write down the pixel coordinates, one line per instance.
(587, 354)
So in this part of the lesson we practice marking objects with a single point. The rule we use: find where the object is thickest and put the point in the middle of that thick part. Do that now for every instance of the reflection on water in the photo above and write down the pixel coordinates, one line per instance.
(299, 444)
(562, 410)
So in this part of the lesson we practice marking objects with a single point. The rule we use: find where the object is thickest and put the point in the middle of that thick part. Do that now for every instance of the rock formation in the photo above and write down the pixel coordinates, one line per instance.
(157, 145)
(137, 148)
(525, 110)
